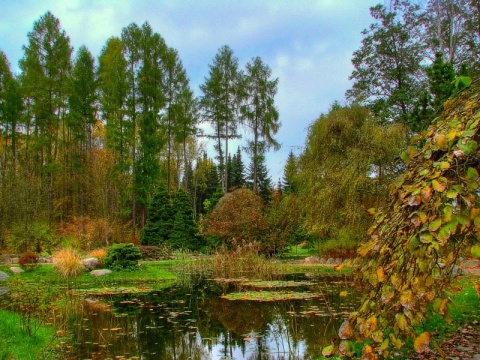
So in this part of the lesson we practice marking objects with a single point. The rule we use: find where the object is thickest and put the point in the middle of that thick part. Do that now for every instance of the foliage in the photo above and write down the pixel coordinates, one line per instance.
(67, 262)
(122, 257)
(183, 234)
(270, 296)
(341, 248)
(99, 254)
(258, 179)
(29, 301)
(155, 252)
(237, 219)
(415, 243)
(28, 259)
(160, 217)
(348, 162)
(32, 236)
(290, 174)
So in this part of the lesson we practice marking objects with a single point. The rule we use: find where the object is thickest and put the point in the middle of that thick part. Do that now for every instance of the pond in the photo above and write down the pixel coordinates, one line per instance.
(195, 320)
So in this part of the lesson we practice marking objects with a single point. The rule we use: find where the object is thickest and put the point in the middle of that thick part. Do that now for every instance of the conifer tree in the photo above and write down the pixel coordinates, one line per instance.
(289, 173)
(264, 182)
(183, 234)
(159, 219)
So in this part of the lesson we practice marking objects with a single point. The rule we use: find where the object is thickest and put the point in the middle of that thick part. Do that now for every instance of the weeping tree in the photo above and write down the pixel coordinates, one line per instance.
(345, 169)
(432, 219)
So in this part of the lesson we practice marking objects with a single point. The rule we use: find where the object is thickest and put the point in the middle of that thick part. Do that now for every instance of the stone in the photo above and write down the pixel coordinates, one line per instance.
(311, 260)
(322, 260)
(41, 260)
(3, 276)
(15, 260)
(471, 263)
(476, 357)
(91, 263)
(100, 272)
(330, 261)
(16, 270)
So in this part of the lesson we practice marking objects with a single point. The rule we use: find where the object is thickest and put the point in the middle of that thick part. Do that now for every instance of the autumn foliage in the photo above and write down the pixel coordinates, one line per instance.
(432, 219)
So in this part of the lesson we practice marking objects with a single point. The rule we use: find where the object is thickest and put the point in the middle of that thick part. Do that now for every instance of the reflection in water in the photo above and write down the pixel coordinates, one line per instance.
(195, 323)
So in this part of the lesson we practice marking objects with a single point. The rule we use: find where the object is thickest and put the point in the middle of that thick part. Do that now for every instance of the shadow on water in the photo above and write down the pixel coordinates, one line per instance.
(193, 321)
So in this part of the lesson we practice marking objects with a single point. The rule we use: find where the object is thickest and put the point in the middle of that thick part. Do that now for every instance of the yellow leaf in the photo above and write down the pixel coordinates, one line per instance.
(426, 193)
(372, 323)
(365, 248)
(371, 211)
(328, 351)
(339, 267)
(367, 353)
(441, 141)
(401, 321)
(343, 293)
(380, 275)
(440, 184)
(377, 336)
(421, 342)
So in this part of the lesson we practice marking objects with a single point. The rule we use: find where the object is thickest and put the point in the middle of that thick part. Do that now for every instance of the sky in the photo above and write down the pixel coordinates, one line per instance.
(308, 45)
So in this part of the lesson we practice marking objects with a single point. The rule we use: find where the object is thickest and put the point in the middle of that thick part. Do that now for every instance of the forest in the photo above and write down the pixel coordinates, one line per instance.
(94, 148)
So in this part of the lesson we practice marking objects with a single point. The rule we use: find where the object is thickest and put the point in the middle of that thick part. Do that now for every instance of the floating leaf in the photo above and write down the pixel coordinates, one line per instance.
(345, 331)
(421, 343)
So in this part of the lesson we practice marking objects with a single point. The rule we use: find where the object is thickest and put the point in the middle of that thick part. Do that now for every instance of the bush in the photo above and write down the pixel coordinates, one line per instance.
(155, 252)
(28, 260)
(68, 262)
(122, 257)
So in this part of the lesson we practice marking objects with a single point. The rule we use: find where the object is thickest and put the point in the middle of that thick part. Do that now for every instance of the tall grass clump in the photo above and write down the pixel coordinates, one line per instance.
(100, 254)
(244, 260)
(68, 263)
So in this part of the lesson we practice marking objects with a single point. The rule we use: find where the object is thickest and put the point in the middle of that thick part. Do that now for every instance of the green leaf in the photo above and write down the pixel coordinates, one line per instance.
(472, 174)
(475, 251)
(468, 147)
(435, 224)
(426, 238)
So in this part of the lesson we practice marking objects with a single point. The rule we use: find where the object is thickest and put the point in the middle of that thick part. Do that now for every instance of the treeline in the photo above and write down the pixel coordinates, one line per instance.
(82, 139)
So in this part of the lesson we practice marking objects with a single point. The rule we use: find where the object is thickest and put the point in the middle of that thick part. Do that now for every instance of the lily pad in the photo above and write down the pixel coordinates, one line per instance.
(276, 284)
(269, 296)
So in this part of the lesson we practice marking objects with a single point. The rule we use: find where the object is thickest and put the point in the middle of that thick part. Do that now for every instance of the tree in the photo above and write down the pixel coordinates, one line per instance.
(387, 76)
(346, 167)
(237, 218)
(45, 67)
(236, 172)
(183, 235)
(259, 171)
(259, 112)
(159, 220)
(414, 244)
(290, 173)
(220, 103)
(83, 102)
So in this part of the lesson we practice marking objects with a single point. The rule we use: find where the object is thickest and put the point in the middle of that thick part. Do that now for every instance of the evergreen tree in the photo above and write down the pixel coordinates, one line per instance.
(259, 113)
(237, 171)
(264, 182)
(159, 219)
(183, 235)
(289, 174)
(220, 103)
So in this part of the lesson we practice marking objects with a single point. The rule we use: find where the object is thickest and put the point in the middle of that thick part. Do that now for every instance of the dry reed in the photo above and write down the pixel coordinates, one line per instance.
(67, 262)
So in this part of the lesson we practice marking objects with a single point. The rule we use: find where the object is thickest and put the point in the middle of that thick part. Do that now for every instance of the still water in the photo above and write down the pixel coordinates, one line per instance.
(193, 321)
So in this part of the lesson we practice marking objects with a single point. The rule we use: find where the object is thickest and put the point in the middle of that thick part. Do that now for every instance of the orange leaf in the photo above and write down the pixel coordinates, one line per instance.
(367, 353)
(439, 184)
(345, 331)
(421, 342)
(426, 193)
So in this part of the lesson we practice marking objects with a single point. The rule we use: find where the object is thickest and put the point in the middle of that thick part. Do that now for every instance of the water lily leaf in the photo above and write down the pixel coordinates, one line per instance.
(421, 342)
(328, 351)
(435, 224)
(345, 331)
(475, 251)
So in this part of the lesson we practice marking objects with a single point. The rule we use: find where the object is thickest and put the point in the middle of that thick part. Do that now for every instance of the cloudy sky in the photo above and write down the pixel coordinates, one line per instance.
(308, 44)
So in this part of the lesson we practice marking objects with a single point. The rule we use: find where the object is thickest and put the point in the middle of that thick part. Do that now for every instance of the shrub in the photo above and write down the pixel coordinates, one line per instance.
(155, 252)
(28, 260)
(122, 257)
(68, 262)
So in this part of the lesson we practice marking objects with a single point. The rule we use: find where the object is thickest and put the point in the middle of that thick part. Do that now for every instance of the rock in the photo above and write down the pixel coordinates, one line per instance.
(322, 260)
(100, 272)
(16, 270)
(91, 263)
(330, 261)
(41, 260)
(15, 260)
(337, 261)
(311, 260)
(3, 276)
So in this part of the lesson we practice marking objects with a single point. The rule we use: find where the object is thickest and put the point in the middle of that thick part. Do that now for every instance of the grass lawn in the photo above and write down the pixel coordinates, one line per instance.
(15, 344)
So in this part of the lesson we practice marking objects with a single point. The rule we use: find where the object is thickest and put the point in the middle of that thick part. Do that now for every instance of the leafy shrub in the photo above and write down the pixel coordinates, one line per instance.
(28, 260)
(155, 252)
(336, 248)
(68, 262)
(122, 257)
(35, 236)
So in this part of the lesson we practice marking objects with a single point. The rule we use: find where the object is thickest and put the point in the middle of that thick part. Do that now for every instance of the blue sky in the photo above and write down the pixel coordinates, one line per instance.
(308, 44)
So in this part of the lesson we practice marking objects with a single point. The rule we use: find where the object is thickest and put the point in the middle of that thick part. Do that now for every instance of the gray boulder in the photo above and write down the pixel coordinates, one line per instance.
(100, 272)
(91, 263)
(3, 276)
(16, 270)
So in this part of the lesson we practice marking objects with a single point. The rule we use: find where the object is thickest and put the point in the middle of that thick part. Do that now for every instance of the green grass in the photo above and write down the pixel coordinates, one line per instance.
(313, 269)
(15, 344)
